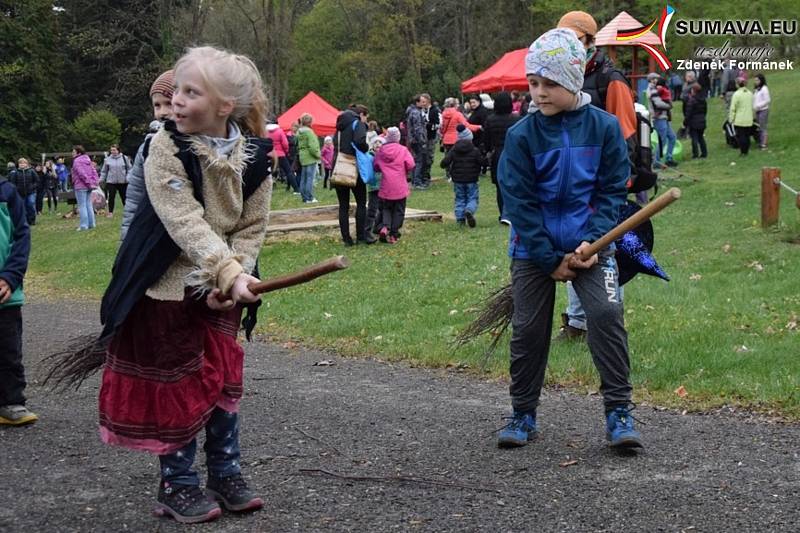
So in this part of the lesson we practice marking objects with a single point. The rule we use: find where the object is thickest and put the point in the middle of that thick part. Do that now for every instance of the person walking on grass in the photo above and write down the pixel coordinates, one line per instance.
(25, 179)
(51, 186)
(741, 114)
(563, 175)
(309, 154)
(114, 174)
(84, 180)
(394, 162)
(327, 154)
(761, 101)
(463, 164)
(694, 120)
(15, 247)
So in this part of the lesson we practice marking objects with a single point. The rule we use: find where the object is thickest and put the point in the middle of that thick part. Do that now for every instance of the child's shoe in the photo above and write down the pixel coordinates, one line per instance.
(619, 429)
(383, 233)
(16, 415)
(520, 429)
(185, 503)
(391, 239)
(470, 219)
(234, 493)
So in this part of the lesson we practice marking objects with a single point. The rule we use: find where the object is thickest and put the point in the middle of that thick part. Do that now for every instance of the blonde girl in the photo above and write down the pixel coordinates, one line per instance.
(172, 310)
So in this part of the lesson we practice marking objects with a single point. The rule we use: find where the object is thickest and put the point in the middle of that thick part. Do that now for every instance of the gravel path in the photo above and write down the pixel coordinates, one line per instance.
(420, 440)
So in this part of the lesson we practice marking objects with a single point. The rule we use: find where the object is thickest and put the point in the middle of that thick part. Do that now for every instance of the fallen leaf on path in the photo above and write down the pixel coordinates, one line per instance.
(568, 463)
(729, 204)
(681, 391)
(726, 248)
(695, 277)
(325, 362)
(289, 345)
(327, 315)
(755, 265)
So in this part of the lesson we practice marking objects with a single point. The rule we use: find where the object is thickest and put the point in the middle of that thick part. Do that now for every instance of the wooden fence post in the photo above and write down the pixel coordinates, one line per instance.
(770, 196)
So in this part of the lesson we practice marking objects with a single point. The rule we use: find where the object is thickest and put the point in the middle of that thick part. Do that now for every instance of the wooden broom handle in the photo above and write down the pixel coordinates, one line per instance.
(631, 222)
(333, 264)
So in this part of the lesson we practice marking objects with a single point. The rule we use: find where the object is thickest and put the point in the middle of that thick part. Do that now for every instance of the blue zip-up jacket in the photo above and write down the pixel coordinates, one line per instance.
(563, 181)
(15, 241)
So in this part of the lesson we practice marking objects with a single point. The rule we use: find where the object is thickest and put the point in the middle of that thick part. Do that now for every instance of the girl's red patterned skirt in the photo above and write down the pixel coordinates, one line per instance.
(167, 368)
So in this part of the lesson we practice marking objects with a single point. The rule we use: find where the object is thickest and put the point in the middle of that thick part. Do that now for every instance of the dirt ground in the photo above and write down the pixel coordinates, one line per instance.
(367, 446)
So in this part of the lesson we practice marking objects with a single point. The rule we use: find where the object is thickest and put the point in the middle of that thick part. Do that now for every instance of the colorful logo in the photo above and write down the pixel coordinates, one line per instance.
(636, 33)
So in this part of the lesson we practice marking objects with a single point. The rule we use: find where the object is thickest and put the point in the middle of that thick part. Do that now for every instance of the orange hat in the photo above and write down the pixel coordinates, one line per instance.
(164, 84)
(580, 22)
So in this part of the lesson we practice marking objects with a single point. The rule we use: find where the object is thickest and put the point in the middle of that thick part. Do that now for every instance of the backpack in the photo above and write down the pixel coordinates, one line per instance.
(640, 152)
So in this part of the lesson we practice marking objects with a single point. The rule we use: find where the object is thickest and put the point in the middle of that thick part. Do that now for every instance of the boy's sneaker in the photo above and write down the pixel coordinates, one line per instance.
(520, 429)
(619, 429)
(16, 415)
(234, 493)
(185, 503)
(470, 219)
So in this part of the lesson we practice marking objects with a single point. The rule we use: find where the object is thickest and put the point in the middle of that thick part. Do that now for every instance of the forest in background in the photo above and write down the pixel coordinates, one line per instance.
(79, 71)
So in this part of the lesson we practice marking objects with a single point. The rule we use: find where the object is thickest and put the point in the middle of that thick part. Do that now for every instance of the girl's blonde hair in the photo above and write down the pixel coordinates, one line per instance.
(230, 76)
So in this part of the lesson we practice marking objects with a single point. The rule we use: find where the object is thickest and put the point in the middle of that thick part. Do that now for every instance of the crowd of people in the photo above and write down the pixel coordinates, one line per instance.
(563, 159)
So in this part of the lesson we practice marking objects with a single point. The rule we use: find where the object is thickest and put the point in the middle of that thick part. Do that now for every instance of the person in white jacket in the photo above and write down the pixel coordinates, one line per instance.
(761, 101)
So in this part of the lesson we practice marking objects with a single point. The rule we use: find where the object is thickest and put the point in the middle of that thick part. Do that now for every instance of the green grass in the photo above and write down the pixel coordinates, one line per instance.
(724, 327)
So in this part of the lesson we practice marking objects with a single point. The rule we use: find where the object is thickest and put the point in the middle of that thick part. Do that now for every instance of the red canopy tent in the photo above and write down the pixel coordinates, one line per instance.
(324, 114)
(507, 74)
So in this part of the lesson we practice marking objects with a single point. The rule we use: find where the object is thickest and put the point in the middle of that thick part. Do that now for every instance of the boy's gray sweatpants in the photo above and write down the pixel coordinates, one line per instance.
(532, 323)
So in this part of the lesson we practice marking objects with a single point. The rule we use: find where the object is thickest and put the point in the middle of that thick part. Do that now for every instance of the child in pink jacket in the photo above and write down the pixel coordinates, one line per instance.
(327, 160)
(394, 162)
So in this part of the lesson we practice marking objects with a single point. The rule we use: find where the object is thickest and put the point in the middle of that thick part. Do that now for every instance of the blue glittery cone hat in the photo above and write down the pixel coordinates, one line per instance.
(634, 249)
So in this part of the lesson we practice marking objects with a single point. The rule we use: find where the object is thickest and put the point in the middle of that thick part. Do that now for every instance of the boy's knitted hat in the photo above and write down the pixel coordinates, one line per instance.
(559, 56)
(164, 84)
(393, 135)
(464, 134)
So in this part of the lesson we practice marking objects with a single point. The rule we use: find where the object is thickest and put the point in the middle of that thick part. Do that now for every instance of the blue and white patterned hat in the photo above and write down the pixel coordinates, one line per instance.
(559, 56)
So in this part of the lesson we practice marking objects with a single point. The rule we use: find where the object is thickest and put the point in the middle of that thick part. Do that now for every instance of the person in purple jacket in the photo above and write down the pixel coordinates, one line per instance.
(84, 179)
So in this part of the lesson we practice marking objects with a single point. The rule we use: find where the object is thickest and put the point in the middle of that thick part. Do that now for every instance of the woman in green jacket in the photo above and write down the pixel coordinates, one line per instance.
(741, 114)
(309, 153)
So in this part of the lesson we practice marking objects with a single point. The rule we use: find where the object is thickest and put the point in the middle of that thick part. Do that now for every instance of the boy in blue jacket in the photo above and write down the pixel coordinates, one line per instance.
(562, 175)
(15, 246)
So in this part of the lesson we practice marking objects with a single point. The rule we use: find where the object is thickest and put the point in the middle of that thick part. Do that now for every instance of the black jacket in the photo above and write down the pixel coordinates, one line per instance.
(346, 134)
(464, 162)
(26, 181)
(478, 116)
(695, 112)
(600, 72)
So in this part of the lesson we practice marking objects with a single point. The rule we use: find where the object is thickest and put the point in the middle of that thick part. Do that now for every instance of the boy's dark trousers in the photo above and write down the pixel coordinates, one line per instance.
(393, 213)
(221, 447)
(12, 373)
(373, 211)
(532, 324)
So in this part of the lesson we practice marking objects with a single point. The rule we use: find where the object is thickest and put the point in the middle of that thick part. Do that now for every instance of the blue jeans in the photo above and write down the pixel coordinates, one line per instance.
(307, 175)
(466, 199)
(85, 209)
(664, 132)
(30, 208)
(222, 452)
